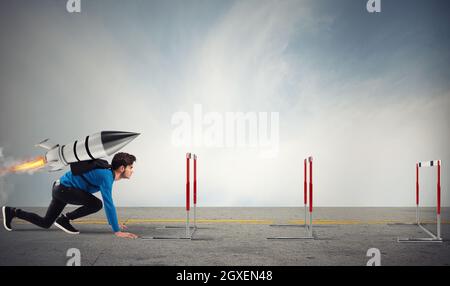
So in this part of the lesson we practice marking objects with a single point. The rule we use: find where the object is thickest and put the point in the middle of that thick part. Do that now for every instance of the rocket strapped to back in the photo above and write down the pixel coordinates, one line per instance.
(94, 146)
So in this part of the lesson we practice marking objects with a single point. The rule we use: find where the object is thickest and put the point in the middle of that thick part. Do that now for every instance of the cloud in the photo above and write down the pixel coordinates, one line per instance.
(242, 61)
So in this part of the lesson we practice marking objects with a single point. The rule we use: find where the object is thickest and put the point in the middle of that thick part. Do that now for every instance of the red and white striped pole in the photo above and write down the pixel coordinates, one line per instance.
(310, 193)
(305, 189)
(439, 201)
(188, 189)
(417, 193)
(195, 190)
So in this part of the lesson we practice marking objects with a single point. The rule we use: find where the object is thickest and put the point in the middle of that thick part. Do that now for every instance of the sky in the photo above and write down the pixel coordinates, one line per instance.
(366, 94)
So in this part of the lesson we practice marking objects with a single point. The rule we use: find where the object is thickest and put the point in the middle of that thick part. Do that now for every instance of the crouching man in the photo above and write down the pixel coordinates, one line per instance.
(79, 190)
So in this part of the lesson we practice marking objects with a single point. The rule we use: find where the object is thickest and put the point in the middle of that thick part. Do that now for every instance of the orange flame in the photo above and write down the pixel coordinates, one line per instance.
(35, 164)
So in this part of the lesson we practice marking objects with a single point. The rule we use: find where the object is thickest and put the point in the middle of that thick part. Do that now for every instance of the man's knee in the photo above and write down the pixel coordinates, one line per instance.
(97, 204)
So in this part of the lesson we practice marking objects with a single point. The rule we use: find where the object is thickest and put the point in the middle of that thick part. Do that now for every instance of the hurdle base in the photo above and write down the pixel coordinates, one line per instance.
(174, 227)
(191, 237)
(403, 223)
(164, 238)
(181, 227)
(419, 240)
(287, 225)
(432, 238)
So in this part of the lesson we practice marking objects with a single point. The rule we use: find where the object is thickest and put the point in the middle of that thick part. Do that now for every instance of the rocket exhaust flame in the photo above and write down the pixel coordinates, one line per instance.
(37, 163)
(30, 165)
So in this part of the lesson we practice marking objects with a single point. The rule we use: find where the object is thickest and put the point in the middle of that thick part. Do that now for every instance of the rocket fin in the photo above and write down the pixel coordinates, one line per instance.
(46, 144)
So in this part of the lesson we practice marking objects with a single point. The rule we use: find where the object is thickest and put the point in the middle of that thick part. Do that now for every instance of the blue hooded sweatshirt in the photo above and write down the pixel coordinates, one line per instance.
(104, 179)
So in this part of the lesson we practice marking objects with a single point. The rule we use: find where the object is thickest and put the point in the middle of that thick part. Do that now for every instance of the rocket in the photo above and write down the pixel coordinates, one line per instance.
(91, 147)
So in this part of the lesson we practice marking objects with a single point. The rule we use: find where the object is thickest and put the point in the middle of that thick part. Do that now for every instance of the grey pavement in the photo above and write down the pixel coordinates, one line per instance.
(231, 237)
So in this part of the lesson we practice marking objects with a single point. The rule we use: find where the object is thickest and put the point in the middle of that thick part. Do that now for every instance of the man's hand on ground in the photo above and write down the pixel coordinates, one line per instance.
(125, 235)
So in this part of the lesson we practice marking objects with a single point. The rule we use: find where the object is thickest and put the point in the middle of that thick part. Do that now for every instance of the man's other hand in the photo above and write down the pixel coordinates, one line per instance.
(125, 235)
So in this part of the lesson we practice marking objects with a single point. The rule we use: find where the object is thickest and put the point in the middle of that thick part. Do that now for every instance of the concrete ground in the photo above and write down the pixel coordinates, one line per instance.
(231, 237)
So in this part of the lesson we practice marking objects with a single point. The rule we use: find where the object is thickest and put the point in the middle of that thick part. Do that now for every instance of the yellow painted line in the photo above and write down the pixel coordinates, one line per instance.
(240, 221)
(325, 222)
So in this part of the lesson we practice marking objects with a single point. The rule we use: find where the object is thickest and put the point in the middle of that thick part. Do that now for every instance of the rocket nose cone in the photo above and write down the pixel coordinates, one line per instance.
(113, 141)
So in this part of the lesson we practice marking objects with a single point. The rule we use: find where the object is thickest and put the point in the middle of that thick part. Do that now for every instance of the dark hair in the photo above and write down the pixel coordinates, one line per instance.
(122, 159)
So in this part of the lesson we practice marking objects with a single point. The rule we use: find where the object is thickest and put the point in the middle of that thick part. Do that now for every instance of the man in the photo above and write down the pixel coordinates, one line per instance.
(78, 190)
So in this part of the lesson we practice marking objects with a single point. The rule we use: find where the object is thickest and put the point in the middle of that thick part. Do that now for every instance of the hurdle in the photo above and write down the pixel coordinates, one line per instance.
(432, 237)
(307, 226)
(189, 234)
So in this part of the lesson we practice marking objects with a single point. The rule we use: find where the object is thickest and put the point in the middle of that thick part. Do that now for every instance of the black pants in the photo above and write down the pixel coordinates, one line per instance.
(61, 196)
